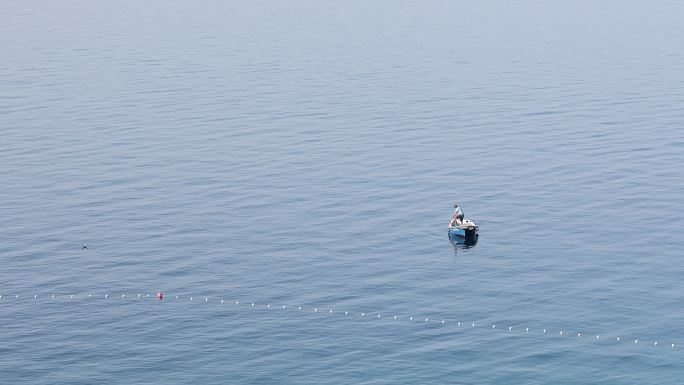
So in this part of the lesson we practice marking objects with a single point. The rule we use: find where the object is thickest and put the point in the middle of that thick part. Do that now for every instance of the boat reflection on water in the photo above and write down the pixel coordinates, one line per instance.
(462, 244)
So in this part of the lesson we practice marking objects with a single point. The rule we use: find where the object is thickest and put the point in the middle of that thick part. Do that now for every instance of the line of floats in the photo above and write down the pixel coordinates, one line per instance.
(161, 297)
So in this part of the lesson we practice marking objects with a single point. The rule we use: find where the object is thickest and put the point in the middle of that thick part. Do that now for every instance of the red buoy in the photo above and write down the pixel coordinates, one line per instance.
(160, 295)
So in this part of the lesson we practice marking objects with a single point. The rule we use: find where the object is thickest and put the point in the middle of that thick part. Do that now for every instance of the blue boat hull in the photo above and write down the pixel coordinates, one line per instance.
(467, 236)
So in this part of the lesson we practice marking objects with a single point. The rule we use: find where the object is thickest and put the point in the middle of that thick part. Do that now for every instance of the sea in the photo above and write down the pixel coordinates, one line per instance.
(283, 172)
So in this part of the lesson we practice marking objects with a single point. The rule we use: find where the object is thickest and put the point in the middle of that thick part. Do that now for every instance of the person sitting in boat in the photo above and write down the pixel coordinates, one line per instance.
(457, 218)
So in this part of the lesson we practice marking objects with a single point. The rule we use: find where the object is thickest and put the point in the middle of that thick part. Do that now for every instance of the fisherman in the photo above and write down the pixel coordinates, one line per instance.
(457, 218)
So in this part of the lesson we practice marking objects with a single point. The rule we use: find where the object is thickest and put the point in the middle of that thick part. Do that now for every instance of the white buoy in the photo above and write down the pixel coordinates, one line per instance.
(237, 302)
(510, 328)
(283, 307)
(191, 298)
(459, 324)
(331, 311)
(378, 315)
(268, 306)
(544, 331)
(252, 304)
(17, 296)
(426, 320)
(35, 296)
(300, 308)
(442, 322)
(123, 295)
(345, 313)
(72, 296)
(53, 296)
(206, 299)
(363, 314)
(139, 296)
(395, 317)
(579, 335)
(315, 310)
(473, 325)
(527, 330)
(561, 333)
(221, 301)
(618, 339)
(90, 296)
(493, 326)
(636, 341)
(655, 343)
(673, 345)
(177, 297)
(106, 295)
(597, 337)
(148, 296)
(411, 318)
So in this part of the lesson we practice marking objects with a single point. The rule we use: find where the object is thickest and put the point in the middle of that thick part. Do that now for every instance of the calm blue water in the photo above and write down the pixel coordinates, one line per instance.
(307, 153)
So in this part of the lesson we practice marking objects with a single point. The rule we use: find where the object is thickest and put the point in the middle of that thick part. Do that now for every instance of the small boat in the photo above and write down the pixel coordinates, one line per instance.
(462, 230)
(468, 231)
